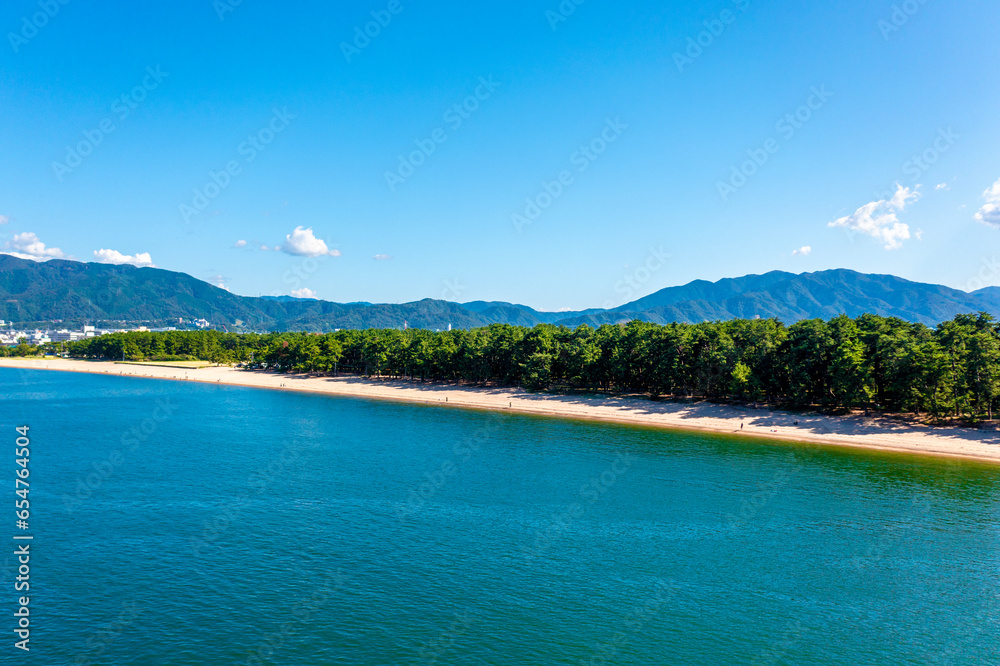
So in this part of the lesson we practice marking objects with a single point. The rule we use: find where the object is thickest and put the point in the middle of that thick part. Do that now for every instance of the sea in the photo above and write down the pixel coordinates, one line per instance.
(172, 522)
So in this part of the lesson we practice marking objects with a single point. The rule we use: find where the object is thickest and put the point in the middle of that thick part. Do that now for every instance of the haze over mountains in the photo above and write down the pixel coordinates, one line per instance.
(89, 292)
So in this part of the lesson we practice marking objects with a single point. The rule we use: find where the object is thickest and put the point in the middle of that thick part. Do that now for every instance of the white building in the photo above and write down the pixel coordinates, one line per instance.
(65, 336)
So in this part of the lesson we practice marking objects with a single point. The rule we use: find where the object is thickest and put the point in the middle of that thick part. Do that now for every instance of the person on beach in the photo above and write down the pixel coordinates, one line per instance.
(741, 426)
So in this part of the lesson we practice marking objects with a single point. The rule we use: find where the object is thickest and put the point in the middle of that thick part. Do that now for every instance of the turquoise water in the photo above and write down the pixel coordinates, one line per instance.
(242, 526)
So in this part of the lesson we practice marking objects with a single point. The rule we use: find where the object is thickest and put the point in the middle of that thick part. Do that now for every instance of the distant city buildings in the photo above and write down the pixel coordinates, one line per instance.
(65, 336)
(13, 337)
(38, 337)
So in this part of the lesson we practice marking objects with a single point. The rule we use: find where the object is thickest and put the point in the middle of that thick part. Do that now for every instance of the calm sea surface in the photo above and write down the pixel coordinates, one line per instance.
(178, 523)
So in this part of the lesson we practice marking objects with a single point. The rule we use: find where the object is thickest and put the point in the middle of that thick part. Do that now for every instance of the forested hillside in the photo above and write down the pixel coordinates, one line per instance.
(71, 291)
(868, 362)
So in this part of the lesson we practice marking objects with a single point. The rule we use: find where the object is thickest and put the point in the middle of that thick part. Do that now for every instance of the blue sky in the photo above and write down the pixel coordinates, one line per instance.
(632, 127)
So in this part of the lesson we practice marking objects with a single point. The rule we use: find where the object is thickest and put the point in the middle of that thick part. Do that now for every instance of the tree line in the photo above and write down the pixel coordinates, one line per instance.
(869, 362)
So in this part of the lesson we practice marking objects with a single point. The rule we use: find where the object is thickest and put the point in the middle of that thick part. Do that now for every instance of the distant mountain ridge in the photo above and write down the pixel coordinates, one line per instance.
(75, 291)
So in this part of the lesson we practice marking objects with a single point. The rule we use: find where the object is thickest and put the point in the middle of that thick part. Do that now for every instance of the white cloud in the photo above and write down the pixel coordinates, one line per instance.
(878, 219)
(382, 257)
(942, 186)
(4, 219)
(140, 259)
(305, 292)
(240, 243)
(990, 212)
(802, 251)
(219, 281)
(264, 248)
(27, 246)
(303, 243)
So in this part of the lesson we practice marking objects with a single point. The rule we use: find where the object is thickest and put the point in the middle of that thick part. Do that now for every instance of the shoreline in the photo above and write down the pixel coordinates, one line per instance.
(854, 432)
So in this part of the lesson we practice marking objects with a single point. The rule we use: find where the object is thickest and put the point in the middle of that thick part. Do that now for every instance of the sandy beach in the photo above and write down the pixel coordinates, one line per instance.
(854, 431)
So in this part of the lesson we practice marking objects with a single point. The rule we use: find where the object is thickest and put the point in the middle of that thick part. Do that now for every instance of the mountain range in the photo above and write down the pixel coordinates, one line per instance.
(90, 292)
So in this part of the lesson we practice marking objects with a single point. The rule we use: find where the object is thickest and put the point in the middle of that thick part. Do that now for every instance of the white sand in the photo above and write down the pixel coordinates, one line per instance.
(872, 433)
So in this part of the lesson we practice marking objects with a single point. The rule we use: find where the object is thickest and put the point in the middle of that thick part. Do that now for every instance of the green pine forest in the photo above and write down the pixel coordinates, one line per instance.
(882, 364)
